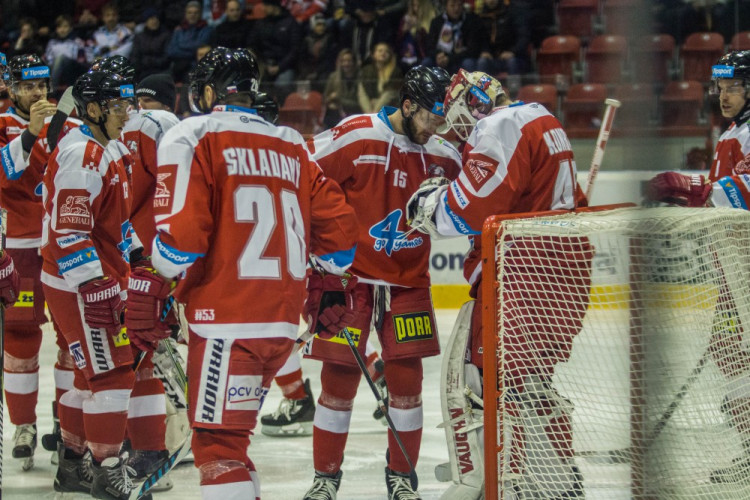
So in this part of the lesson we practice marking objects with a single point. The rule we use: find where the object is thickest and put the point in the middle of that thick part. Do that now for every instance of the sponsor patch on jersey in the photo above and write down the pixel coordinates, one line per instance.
(166, 177)
(25, 299)
(413, 326)
(70, 240)
(435, 170)
(733, 193)
(245, 392)
(92, 155)
(121, 339)
(77, 259)
(76, 352)
(340, 338)
(35, 72)
(173, 255)
(74, 210)
(459, 195)
(363, 121)
(9, 166)
(479, 171)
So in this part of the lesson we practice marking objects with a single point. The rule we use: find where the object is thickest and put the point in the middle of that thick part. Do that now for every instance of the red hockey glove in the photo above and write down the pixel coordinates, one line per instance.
(679, 189)
(145, 317)
(102, 305)
(329, 306)
(10, 283)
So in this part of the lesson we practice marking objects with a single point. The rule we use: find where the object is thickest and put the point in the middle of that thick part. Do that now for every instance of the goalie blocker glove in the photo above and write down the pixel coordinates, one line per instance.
(329, 306)
(10, 283)
(147, 314)
(679, 189)
(420, 209)
(102, 304)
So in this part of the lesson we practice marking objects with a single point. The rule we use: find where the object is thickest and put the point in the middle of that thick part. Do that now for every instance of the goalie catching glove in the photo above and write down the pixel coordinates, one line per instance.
(329, 306)
(679, 189)
(145, 318)
(420, 209)
(10, 283)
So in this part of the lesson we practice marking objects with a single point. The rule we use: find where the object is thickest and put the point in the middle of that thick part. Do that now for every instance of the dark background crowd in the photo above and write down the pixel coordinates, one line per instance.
(354, 52)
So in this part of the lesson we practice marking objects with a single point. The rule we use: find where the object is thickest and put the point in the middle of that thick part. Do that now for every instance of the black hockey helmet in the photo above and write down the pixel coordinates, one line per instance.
(267, 107)
(227, 72)
(26, 67)
(115, 64)
(426, 86)
(101, 87)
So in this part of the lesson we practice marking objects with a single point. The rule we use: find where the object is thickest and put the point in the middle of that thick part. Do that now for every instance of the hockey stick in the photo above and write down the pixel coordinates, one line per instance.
(3, 226)
(64, 107)
(381, 404)
(601, 143)
(181, 452)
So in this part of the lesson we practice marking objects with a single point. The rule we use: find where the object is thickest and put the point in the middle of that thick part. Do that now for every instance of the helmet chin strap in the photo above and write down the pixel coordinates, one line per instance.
(409, 125)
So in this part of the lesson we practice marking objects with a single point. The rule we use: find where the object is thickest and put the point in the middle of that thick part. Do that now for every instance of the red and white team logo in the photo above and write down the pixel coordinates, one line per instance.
(353, 124)
(165, 182)
(479, 170)
(743, 166)
(92, 156)
(74, 211)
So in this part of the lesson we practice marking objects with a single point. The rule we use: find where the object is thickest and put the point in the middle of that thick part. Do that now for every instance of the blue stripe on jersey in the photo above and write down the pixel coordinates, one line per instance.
(732, 192)
(9, 166)
(340, 260)
(173, 255)
(77, 259)
(458, 222)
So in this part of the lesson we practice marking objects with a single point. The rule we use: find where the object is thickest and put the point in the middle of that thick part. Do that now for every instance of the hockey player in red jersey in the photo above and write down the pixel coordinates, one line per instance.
(727, 185)
(86, 246)
(517, 158)
(22, 130)
(379, 160)
(244, 207)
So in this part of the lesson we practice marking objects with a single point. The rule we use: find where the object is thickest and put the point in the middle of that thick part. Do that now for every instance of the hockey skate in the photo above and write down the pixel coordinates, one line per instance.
(51, 441)
(113, 479)
(293, 418)
(324, 487)
(74, 473)
(399, 486)
(383, 390)
(24, 444)
(145, 462)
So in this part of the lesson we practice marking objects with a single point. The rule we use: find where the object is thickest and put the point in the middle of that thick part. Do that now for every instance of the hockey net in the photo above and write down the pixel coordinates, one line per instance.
(618, 369)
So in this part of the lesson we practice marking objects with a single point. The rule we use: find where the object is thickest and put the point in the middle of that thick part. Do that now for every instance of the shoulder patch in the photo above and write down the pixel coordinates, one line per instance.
(92, 156)
(364, 121)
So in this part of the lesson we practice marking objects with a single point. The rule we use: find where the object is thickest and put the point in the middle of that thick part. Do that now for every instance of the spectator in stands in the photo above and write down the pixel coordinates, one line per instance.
(66, 54)
(455, 39)
(509, 34)
(149, 55)
(341, 95)
(27, 41)
(727, 21)
(276, 40)
(320, 48)
(361, 31)
(233, 31)
(303, 10)
(187, 37)
(380, 81)
(678, 18)
(113, 38)
(411, 37)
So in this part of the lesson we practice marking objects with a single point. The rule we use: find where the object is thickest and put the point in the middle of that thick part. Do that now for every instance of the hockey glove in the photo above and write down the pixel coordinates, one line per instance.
(145, 317)
(102, 305)
(10, 283)
(420, 209)
(679, 189)
(329, 306)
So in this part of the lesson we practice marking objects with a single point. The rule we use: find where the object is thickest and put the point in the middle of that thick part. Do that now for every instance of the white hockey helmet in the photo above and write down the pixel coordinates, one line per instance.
(470, 97)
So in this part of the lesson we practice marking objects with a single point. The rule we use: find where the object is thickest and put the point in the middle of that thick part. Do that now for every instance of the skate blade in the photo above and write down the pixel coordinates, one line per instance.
(291, 430)
(27, 464)
(54, 459)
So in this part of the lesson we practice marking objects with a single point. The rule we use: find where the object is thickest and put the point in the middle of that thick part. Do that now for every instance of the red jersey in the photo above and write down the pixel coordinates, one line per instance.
(518, 159)
(86, 232)
(244, 204)
(732, 148)
(142, 134)
(21, 186)
(378, 170)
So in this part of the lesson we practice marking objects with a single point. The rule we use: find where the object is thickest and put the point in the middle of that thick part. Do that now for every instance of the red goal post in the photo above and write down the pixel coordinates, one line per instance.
(675, 280)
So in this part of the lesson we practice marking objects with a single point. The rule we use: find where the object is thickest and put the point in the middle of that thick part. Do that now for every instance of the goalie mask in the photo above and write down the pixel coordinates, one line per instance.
(227, 72)
(113, 93)
(28, 79)
(470, 97)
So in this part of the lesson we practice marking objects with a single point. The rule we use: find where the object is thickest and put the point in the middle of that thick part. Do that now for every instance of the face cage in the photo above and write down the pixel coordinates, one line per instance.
(460, 119)
(715, 90)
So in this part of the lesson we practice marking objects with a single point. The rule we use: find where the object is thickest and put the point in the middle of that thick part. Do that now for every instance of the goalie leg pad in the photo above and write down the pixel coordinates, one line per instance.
(165, 371)
(462, 415)
(545, 418)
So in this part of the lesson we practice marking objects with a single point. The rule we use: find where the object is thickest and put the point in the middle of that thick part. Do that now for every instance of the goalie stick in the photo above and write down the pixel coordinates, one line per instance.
(3, 226)
(601, 143)
(181, 452)
(381, 404)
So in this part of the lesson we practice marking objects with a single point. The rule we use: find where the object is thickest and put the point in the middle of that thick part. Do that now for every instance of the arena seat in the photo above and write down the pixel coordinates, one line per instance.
(740, 41)
(699, 52)
(303, 112)
(682, 104)
(543, 93)
(557, 59)
(577, 17)
(582, 108)
(605, 59)
(653, 58)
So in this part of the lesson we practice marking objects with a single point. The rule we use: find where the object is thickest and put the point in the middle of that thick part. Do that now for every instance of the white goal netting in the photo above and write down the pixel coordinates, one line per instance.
(621, 367)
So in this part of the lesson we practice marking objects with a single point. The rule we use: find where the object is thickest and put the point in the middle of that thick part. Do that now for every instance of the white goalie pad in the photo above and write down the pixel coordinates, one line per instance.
(165, 371)
(461, 404)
